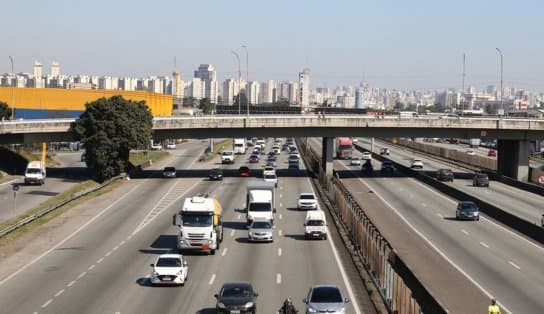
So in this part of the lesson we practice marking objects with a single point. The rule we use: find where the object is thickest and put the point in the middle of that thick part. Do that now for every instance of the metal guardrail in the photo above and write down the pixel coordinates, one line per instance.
(398, 286)
(47, 210)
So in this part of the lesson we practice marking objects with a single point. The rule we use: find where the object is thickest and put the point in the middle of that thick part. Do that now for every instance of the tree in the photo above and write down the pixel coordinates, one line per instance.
(243, 100)
(206, 106)
(110, 128)
(5, 111)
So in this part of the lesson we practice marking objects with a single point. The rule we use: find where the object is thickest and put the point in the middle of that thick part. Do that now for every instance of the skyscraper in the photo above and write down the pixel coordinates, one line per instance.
(208, 75)
(304, 87)
(37, 69)
(55, 68)
(267, 92)
(254, 90)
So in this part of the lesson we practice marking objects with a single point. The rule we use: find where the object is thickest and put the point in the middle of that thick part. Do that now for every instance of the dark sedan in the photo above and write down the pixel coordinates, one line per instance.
(216, 174)
(236, 297)
(254, 159)
(467, 210)
(244, 171)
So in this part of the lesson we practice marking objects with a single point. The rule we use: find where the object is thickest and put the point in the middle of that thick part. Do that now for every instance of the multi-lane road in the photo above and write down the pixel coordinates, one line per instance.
(500, 262)
(101, 263)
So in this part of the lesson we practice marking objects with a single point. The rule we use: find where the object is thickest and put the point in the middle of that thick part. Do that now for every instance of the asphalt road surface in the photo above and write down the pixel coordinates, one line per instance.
(104, 267)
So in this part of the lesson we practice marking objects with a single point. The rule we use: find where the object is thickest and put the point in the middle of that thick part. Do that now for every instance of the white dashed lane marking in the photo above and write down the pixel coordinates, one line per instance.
(100, 260)
(514, 265)
(278, 278)
(47, 303)
(224, 252)
(59, 293)
(279, 232)
(211, 280)
(91, 267)
(484, 245)
(71, 283)
(464, 231)
(232, 233)
(82, 275)
(279, 251)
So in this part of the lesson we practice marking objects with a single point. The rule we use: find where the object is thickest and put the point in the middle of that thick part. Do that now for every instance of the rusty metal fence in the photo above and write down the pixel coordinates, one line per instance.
(398, 286)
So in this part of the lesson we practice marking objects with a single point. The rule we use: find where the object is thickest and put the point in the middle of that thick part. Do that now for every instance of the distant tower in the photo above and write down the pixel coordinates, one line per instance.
(55, 68)
(37, 69)
(304, 82)
(177, 90)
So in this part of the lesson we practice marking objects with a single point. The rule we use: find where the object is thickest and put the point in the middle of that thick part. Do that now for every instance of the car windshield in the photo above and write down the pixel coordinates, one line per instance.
(307, 197)
(260, 207)
(315, 223)
(215, 171)
(326, 295)
(169, 169)
(354, 158)
(33, 170)
(467, 206)
(253, 156)
(293, 157)
(385, 163)
(238, 145)
(168, 262)
(416, 160)
(261, 225)
(236, 291)
(269, 176)
(345, 147)
(227, 153)
(244, 169)
(196, 220)
(446, 171)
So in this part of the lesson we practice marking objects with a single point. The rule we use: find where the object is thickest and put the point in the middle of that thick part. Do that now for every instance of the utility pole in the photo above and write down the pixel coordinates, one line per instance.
(239, 84)
(247, 75)
(12, 89)
(463, 87)
(501, 112)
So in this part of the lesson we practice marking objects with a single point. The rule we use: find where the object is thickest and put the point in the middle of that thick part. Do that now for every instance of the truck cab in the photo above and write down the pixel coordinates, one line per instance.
(35, 173)
(200, 224)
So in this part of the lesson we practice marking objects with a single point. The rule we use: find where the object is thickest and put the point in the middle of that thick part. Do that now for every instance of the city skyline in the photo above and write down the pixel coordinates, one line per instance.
(396, 46)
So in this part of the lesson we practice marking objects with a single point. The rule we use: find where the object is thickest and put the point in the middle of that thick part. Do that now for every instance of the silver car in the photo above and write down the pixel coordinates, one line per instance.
(325, 299)
(261, 231)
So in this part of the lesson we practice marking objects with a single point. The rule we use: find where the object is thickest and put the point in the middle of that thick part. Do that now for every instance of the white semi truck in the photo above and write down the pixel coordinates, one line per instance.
(200, 224)
(260, 201)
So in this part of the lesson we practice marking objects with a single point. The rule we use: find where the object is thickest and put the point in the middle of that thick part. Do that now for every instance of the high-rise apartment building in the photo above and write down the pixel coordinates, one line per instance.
(37, 71)
(294, 93)
(304, 86)
(55, 68)
(267, 94)
(253, 92)
(195, 88)
(359, 98)
(208, 75)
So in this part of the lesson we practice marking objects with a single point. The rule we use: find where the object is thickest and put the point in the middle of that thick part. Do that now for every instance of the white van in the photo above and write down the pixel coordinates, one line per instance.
(315, 225)
(239, 146)
(35, 173)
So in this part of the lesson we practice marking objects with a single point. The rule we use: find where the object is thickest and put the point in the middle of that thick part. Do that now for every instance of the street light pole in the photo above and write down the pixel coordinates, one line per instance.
(247, 75)
(239, 87)
(502, 105)
(12, 89)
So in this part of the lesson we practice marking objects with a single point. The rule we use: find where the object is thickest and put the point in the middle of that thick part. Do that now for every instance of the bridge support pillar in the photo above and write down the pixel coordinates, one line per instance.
(513, 159)
(327, 155)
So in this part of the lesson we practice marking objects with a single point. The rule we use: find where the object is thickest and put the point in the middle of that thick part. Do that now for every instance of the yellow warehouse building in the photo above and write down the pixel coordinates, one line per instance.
(35, 103)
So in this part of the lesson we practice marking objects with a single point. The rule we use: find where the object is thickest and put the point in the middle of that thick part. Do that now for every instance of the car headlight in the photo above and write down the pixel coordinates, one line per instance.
(250, 233)
(248, 305)
(312, 310)
(250, 217)
(220, 305)
(179, 273)
(155, 274)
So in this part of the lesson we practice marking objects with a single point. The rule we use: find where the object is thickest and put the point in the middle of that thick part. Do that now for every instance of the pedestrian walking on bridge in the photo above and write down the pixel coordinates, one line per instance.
(494, 308)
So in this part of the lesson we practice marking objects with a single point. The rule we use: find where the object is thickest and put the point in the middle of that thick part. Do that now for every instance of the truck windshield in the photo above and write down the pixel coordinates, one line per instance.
(345, 147)
(260, 207)
(33, 170)
(196, 220)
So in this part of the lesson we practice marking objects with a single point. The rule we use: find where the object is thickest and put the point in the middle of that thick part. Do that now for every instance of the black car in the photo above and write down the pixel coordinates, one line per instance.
(293, 164)
(467, 210)
(236, 297)
(216, 174)
(388, 167)
(444, 175)
(480, 179)
(367, 167)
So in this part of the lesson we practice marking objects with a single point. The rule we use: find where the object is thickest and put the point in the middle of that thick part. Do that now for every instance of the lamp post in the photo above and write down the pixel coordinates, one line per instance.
(12, 89)
(502, 105)
(239, 87)
(247, 75)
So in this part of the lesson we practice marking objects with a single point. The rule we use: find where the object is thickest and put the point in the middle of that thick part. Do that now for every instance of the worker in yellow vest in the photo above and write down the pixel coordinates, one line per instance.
(494, 308)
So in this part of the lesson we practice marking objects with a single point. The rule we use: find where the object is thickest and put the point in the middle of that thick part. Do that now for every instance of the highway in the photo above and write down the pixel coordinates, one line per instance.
(526, 205)
(104, 267)
(503, 264)
(58, 180)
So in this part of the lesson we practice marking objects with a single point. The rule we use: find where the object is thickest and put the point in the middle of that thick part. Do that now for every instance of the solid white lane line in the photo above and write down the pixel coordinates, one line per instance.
(82, 275)
(279, 251)
(91, 267)
(71, 283)
(224, 252)
(47, 303)
(232, 233)
(464, 231)
(484, 245)
(100, 260)
(122, 243)
(278, 278)
(129, 236)
(514, 265)
(116, 247)
(211, 280)
(90, 221)
(35, 313)
(59, 293)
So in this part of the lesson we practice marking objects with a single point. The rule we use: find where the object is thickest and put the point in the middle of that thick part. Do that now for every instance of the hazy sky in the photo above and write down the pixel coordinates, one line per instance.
(396, 44)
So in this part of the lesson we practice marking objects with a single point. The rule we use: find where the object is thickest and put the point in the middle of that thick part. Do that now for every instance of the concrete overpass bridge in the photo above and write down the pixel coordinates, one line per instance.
(514, 135)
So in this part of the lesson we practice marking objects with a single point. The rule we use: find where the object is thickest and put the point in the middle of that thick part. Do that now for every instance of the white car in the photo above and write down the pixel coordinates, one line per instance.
(355, 161)
(261, 231)
(271, 177)
(417, 163)
(367, 156)
(307, 201)
(171, 146)
(471, 152)
(156, 147)
(169, 269)
(227, 157)
(276, 149)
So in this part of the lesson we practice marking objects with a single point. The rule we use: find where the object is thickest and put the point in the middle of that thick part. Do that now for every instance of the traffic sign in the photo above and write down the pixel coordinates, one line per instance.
(541, 179)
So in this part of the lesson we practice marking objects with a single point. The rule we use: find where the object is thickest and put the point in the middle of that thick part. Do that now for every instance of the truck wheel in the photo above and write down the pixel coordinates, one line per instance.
(325, 237)
(212, 252)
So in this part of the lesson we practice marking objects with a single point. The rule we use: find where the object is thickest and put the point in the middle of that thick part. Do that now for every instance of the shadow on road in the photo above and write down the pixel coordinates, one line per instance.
(165, 241)
(207, 311)
(295, 236)
(236, 225)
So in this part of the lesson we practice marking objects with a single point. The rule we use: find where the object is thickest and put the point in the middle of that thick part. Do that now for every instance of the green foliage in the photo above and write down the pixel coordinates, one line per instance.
(206, 106)
(242, 97)
(110, 128)
(5, 111)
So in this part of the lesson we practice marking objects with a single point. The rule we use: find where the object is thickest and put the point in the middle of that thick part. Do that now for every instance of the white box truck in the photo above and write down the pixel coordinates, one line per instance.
(260, 201)
(239, 146)
(200, 224)
(35, 173)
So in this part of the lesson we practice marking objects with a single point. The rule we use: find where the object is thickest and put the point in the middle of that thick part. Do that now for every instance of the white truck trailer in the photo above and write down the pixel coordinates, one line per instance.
(260, 201)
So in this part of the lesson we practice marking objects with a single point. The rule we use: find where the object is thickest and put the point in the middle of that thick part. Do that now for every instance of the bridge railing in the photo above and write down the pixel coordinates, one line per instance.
(398, 286)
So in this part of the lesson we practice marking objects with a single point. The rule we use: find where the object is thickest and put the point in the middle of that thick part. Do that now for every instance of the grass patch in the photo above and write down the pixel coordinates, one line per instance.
(40, 221)
(218, 148)
(138, 158)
